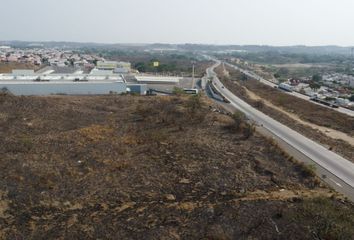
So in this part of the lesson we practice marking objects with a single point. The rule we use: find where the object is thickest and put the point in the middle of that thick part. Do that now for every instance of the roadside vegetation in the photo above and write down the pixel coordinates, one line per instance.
(307, 111)
(121, 167)
(318, 115)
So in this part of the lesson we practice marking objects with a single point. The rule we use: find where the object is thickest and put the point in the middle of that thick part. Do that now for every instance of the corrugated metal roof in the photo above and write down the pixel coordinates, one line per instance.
(157, 79)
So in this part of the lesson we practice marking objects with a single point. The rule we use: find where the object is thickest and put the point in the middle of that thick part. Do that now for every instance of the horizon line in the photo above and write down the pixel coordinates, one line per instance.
(185, 43)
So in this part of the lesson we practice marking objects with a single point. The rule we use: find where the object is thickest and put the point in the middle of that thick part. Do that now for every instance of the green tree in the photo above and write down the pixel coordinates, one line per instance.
(314, 86)
(140, 66)
(317, 78)
(282, 72)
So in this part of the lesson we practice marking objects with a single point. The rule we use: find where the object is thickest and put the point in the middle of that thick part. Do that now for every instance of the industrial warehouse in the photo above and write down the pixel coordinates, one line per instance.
(102, 80)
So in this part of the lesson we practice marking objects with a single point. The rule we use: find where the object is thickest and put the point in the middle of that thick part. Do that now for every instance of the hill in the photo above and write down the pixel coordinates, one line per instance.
(124, 167)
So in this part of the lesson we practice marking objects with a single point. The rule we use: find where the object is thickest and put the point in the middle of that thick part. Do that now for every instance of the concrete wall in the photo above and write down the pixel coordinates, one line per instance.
(70, 88)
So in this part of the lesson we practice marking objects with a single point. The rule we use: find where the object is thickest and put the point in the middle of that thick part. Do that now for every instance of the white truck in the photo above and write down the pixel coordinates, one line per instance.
(285, 87)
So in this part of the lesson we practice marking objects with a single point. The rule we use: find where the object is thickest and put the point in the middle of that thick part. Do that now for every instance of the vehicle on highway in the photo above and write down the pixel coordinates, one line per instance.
(324, 102)
(285, 87)
(225, 100)
(191, 91)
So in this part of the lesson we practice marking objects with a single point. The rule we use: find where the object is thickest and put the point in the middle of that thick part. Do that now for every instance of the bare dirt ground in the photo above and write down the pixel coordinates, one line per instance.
(326, 131)
(124, 167)
(323, 133)
(307, 111)
(8, 67)
(298, 65)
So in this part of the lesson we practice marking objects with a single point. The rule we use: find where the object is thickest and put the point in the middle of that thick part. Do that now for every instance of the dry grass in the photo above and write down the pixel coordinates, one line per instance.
(8, 67)
(238, 87)
(307, 111)
(120, 167)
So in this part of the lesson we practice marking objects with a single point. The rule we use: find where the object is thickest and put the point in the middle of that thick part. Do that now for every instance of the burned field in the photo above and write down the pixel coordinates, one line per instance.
(123, 167)
(319, 115)
(240, 87)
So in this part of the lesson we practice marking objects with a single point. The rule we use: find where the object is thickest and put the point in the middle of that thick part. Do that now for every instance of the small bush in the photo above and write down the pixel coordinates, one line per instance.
(194, 103)
(259, 104)
(178, 91)
(238, 118)
(248, 130)
(23, 145)
(307, 170)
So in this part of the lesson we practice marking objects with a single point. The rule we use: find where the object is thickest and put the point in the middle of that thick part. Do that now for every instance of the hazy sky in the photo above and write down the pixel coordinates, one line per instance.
(272, 22)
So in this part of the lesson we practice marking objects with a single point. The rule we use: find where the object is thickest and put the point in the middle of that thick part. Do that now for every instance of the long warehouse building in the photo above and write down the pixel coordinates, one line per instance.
(27, 82)
(63, 87)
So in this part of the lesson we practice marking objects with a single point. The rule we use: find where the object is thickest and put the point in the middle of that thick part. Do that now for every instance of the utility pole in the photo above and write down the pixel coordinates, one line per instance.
(352, 60)
(193, 74)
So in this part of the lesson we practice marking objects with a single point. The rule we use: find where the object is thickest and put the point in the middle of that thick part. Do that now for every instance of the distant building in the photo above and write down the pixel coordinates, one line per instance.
(157, 80)
(97, 72)
(351, 83)
(111, 65)
(342, 101)
(121, 70)
(12, 58)
(125, 65)
(107, 65)
(62, 87)
(28, 82)
(22, 72)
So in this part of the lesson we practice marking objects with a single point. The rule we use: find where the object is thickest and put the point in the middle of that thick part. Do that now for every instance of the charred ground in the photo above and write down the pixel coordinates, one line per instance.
(123, 167)
(306, 111)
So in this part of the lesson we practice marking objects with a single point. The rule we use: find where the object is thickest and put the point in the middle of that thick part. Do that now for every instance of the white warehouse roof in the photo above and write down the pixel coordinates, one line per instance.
(157, 79)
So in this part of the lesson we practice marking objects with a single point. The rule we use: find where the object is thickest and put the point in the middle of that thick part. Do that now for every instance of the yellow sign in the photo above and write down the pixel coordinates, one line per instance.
(156, 64)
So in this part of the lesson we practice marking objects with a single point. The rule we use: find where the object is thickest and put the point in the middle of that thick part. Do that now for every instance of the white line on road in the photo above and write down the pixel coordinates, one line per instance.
(338, 184)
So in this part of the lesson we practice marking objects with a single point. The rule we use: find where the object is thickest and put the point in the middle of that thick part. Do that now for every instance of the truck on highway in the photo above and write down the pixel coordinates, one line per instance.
(285, 87)
(324, 102)
(192, 91)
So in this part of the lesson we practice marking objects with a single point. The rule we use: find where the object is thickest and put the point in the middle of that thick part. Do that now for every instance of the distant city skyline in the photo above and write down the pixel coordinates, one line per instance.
(234, 22)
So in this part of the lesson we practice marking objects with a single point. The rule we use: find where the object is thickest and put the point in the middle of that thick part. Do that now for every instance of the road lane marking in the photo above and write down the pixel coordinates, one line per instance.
(339, 185)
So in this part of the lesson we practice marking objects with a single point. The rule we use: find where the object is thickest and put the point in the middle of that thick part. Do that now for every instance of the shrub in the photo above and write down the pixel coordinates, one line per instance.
(178, 91)
(238, 118)
(248, 130)
(307, 170)
(194, 103)
(259, 104)
(25, 144)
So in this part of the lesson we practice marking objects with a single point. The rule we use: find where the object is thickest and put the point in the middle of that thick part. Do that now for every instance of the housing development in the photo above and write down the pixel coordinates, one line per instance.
(64, 73)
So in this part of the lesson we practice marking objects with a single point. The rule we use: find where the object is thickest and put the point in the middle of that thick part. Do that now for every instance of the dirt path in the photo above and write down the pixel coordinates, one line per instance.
(327, 131)
(281, 195)
(284, 194)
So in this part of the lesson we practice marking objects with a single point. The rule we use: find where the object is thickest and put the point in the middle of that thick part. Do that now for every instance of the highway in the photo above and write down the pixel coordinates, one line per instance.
(340, 170)
(295, 94)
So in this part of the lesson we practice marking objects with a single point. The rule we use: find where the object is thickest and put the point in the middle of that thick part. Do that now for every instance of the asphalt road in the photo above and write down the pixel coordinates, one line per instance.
(341, 169)
(296, 94)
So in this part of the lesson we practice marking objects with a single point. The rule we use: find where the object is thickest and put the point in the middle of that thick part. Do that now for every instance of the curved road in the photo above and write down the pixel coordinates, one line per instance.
(333, 163)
